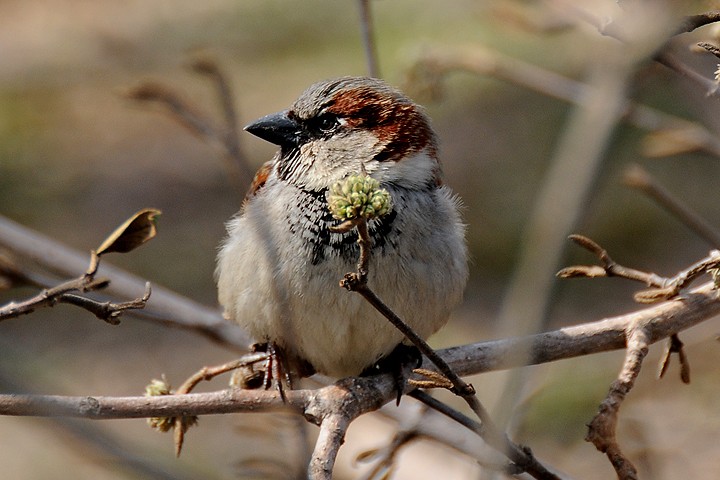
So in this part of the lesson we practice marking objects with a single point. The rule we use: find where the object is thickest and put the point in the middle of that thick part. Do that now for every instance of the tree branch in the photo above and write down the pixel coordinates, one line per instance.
(611, 28)
(357, 282)
(602, 428)
(522, 458)
(230, 139)
(692, 22)
(225, 137)
(639, 178)
(368, 38)
(345, 400)
(63, 293)
(664, 288)
(167, 307)
(427, 71)
(331, 438)
(658, 322)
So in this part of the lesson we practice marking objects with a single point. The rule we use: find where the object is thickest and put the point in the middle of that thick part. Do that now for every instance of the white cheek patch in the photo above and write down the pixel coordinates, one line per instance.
(411, 172)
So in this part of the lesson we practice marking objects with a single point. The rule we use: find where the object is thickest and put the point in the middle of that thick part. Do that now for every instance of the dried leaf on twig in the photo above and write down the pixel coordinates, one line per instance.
(136, 230)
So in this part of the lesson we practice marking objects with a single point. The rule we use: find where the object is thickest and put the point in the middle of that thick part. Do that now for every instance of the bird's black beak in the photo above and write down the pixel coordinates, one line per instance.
(277, 128)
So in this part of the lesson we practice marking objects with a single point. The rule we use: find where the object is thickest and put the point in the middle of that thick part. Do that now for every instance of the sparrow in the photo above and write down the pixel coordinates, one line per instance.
(279, 266)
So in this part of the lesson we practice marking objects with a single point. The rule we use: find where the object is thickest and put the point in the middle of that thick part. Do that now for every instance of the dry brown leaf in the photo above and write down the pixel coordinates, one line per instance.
(136, 230)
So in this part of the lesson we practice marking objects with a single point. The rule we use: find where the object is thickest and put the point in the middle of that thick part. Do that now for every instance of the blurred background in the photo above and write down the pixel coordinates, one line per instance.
(78, 156)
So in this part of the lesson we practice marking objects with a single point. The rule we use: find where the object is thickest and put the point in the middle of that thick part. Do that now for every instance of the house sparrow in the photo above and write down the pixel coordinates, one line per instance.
(279, 267)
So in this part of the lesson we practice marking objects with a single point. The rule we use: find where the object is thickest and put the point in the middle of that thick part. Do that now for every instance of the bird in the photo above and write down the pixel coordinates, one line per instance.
(279, 265)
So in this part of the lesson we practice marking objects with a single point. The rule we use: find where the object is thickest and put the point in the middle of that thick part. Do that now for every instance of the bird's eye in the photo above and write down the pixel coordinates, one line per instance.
(327, 122)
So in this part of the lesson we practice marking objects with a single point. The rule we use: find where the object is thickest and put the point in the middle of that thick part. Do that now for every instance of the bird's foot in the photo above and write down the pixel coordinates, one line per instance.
(277, 370)
(269, 371)
(400, 363)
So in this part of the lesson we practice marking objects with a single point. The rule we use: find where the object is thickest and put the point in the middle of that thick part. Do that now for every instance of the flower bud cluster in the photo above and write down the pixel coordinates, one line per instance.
(358, 196)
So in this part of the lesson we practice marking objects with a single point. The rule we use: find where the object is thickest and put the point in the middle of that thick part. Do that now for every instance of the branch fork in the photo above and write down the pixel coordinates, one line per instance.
(135, 231)
(602, 428)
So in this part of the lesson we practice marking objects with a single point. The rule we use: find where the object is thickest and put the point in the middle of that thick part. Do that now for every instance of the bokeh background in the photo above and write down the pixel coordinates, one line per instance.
(77, 157)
